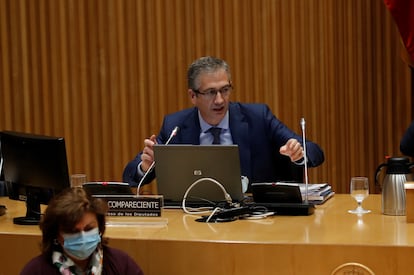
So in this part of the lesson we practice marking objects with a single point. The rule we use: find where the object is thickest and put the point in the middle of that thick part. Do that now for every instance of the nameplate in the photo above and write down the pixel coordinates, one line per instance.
(133, 206)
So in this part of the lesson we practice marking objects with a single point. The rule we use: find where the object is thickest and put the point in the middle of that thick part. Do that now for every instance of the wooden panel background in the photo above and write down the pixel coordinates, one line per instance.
(103, 73)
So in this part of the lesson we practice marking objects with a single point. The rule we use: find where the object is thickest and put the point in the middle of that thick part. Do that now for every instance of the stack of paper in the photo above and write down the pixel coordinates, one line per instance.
(317, 192)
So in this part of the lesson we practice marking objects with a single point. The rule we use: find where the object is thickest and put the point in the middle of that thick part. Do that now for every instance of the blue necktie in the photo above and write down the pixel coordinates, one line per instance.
(215, 131)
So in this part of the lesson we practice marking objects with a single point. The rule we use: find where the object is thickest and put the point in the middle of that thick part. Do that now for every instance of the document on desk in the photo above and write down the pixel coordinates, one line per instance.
(318, 193)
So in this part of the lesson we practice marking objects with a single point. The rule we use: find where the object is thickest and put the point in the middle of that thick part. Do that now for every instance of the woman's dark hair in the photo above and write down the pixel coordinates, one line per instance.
(65, 210)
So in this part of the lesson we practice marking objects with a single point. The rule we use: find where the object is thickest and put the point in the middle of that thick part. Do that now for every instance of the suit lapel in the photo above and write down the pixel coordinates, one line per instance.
(190, 132)
(239, 129)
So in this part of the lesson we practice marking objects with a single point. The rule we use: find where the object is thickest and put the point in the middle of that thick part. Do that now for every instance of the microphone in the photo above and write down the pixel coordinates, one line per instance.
(173, 134)
(302, 124)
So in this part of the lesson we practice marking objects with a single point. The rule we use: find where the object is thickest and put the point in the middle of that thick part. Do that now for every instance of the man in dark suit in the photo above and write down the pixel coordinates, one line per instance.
(264, 141)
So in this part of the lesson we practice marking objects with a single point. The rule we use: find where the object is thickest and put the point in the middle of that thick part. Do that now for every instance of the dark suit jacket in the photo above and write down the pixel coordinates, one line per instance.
(257, 132)
(407, 141)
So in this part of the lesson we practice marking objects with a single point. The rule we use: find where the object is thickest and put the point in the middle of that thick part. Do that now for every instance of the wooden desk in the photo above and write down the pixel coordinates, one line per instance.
(315, 244)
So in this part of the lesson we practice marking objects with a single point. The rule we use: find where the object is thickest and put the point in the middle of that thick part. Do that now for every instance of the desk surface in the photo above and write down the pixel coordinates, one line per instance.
(330, 226)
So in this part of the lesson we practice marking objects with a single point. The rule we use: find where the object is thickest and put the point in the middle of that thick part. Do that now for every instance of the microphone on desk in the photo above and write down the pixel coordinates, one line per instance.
(173, 134)
(302, 124)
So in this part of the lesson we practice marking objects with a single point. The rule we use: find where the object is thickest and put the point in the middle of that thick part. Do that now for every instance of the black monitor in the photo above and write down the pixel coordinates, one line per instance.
(35, 169)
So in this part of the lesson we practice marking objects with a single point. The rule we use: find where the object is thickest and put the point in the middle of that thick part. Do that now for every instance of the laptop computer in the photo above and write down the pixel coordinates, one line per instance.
(177, 167)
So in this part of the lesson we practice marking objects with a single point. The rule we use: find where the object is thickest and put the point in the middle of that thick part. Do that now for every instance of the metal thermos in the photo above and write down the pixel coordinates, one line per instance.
(398, 172)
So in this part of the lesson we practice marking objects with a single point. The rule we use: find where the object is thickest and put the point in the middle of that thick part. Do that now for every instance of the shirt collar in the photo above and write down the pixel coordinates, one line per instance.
(224, 123)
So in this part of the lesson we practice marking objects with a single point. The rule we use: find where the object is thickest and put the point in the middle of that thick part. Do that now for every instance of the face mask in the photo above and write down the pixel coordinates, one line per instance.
(81, 245)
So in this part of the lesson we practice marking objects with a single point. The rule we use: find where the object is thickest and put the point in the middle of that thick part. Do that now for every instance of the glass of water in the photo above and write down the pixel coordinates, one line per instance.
(359, 191)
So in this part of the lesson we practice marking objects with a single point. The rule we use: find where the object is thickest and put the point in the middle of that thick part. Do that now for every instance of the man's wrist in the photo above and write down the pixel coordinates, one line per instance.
(139, 170)
(300, 162)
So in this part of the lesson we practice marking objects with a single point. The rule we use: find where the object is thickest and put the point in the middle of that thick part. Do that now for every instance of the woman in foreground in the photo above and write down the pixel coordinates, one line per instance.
(72, 243)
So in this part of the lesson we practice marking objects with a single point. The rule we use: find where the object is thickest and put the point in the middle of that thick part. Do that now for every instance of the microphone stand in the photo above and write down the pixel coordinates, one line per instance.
(173, 133)
(310, 207)
(302, 124)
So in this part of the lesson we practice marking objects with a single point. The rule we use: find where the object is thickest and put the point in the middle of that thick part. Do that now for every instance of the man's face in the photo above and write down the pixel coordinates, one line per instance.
(212, 107)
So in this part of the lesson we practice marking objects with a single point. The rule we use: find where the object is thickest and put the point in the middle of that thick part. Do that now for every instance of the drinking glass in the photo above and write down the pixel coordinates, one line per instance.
(359, 191)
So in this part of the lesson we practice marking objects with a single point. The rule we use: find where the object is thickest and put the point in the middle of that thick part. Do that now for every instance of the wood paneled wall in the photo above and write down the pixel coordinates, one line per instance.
(103, 73)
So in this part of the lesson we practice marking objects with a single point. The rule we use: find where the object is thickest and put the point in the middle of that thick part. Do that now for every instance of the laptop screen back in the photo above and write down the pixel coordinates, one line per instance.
(179, 166)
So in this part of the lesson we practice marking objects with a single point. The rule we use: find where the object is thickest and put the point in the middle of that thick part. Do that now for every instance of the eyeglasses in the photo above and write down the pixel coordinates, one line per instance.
(212, 93)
